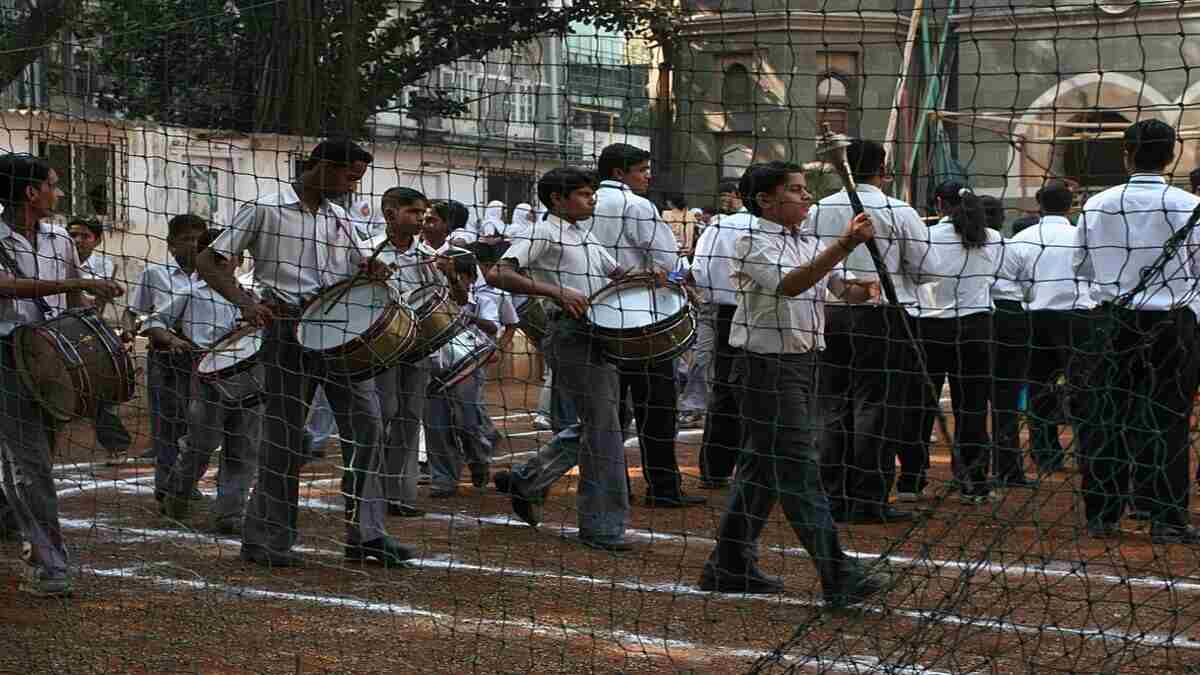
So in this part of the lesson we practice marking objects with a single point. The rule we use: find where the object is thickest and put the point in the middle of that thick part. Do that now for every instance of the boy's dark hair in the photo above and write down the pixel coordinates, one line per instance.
(401, 196)
(677, 200)
(94, 226)
(563, 181)
(866, 158)
(210, 235)
(489, 252)
(727, 185)
(993, 212)
(1055, 197)
(764, 177)
(620, 156)
(1024, 223)
(17, 172)
(1194, 178)
(1151, 144)
(464, 261)
(185, 223)
(342, 151)
(453, 212)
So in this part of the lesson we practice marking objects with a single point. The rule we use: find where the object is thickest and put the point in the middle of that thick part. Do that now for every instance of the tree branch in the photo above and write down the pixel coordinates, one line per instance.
(24, 42)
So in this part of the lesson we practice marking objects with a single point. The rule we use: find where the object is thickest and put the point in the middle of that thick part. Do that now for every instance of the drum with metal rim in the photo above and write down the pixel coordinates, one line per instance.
(438, 317)
(532, 317)
(73, 363)
(458, 358)
(641, 320)
(233, 368)
(360, 331)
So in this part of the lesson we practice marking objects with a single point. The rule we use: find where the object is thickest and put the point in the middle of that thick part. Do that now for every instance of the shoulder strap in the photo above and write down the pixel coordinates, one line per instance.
(6, 260)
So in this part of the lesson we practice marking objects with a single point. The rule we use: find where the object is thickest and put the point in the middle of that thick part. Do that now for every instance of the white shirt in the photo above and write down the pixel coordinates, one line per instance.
(766, 321)
(629, 226)
(563, 254)
(1122, 231)
(714, 253)
(900, 234)
(963, 278)
(296, 253)
(201, 315)
(368, 223)
(1041, 261)
(412, 268)
(97, 266)
(157, 285)
(53, 259)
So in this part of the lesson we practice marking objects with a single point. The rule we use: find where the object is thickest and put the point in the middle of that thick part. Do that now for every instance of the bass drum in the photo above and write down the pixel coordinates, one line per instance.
(360, 331)
(641, 320)
(233, 368)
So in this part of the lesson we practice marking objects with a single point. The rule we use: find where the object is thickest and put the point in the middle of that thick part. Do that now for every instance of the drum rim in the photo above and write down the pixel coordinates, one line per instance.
(441, 295)
(236, 368)
(649, 329)
(119, 355)
(458, 374)
(372, 332)
(675, 351)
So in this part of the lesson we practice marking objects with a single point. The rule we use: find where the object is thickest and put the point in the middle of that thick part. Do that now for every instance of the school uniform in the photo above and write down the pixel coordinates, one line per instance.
(111, 433)
(629, 226)
(296, 255)
(566, 255)
(778, 340)
(204, 317)
(1133, 435)
(25, 432)
(870, 365)
(711, 268)
(956, 338)
(168, 374)
(506, 313)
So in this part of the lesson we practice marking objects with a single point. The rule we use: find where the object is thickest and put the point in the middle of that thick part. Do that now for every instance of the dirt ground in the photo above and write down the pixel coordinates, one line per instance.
(1014, 586)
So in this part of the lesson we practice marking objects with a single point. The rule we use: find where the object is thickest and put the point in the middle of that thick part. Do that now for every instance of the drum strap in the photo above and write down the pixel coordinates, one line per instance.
(6, 260)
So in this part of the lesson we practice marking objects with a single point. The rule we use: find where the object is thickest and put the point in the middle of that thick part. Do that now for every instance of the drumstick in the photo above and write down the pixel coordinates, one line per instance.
(344, 291)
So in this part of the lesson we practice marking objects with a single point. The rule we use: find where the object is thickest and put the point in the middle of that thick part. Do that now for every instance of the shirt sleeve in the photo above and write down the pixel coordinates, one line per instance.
(508, 311)
(150, 290)
(758, 260)
(1081, 260)
(529, 248)
(700, 261)
(169, 315)
(656, 237)
(242, 233)
(918, 257)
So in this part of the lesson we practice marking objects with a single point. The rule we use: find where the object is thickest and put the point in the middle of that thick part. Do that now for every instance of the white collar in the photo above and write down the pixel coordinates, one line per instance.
(6, 231)
(1148, 178)
(613, 183)
(1054, 219)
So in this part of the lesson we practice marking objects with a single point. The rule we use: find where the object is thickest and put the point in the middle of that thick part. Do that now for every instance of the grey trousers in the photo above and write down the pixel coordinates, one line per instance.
(291, 376)
(455, 432)
(779, 463)
(595, 443)
(169, 383)
(402, 396)
(26, 468)
(214, 423)
(695, 391)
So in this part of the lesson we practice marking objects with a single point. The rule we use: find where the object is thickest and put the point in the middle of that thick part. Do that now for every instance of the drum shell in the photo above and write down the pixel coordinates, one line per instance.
(664, 339)
(533, 320)
(242, 383)
(438, 320)
(92, 365)
(380, 348)
(459, 357)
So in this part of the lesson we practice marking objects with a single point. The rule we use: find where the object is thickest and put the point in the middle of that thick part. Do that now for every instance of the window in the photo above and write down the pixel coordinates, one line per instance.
(87, 176)
(526, 100)
(512, 188)
(1094, 162)
(737, 89)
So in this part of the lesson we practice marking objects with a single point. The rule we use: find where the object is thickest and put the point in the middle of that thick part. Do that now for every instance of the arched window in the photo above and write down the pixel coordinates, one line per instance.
(737, 90)
(1094, 162)
(833, 104)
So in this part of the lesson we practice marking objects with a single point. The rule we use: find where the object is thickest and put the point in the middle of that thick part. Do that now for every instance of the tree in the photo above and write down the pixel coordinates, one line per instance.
(314, 67)
(25, 28)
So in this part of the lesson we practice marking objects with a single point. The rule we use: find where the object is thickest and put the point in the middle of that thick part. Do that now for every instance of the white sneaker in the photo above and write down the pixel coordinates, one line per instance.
(542, 423)
(39, 584)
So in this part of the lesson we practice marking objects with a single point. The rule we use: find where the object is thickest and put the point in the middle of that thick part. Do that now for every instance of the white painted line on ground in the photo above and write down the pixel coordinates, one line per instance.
(103, 484)
(513, 455)
(513, 416)
(649, 644)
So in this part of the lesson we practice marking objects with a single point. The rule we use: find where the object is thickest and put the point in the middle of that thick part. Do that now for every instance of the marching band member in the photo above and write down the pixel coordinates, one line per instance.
(204, 317)
(39, 275)
(1145, 345)
(302, 243)
(629, 226)
(781, 277)
(568, 265)
(168, 373)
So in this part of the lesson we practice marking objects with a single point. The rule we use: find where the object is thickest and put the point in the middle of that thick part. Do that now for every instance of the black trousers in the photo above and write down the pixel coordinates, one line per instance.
(959, 349)
(1133, 435)
(652, 390)
(868, 370)
(722, 423)
(1058, 337)
(1012, 330)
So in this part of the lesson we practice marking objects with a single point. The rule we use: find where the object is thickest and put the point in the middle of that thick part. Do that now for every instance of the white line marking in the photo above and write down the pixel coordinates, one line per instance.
(103, 484)
(503, 627)
(514, 455)
(513, 416)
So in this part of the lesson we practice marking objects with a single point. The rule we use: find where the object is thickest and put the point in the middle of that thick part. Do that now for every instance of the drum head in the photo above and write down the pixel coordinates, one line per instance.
(424, 299)
(460, 357)
(346, 320)
(232, 351)
(56, 388)
(633, 306)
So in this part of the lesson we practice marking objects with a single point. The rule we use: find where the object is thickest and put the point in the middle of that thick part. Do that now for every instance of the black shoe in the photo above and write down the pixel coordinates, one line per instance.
(260, 555)
(855, 586)
(1162, 533)
(611, 546)
(443, 493)
(404, 511)
(878, 516)
(1100, 530)
(503, 481)
(479, 475)
(714, 483)
(674, 502)
(1140, 514)
(751, 581)
(228, 527)
(527, 510)
(384, 550)
(1019, 482)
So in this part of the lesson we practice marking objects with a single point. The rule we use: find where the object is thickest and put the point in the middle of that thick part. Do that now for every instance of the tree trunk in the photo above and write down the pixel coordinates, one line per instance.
(289, 100)
(42, 25)
(661, 141)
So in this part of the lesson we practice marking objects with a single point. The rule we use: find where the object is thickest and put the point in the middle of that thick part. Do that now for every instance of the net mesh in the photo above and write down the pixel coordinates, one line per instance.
(1006, 457)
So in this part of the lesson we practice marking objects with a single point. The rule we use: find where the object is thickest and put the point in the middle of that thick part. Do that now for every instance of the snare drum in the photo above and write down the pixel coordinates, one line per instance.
(532, 318)
(640, 321)
(73, 363)
(458, 358)
(439, 319)
(233, 368)
(360, 332)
